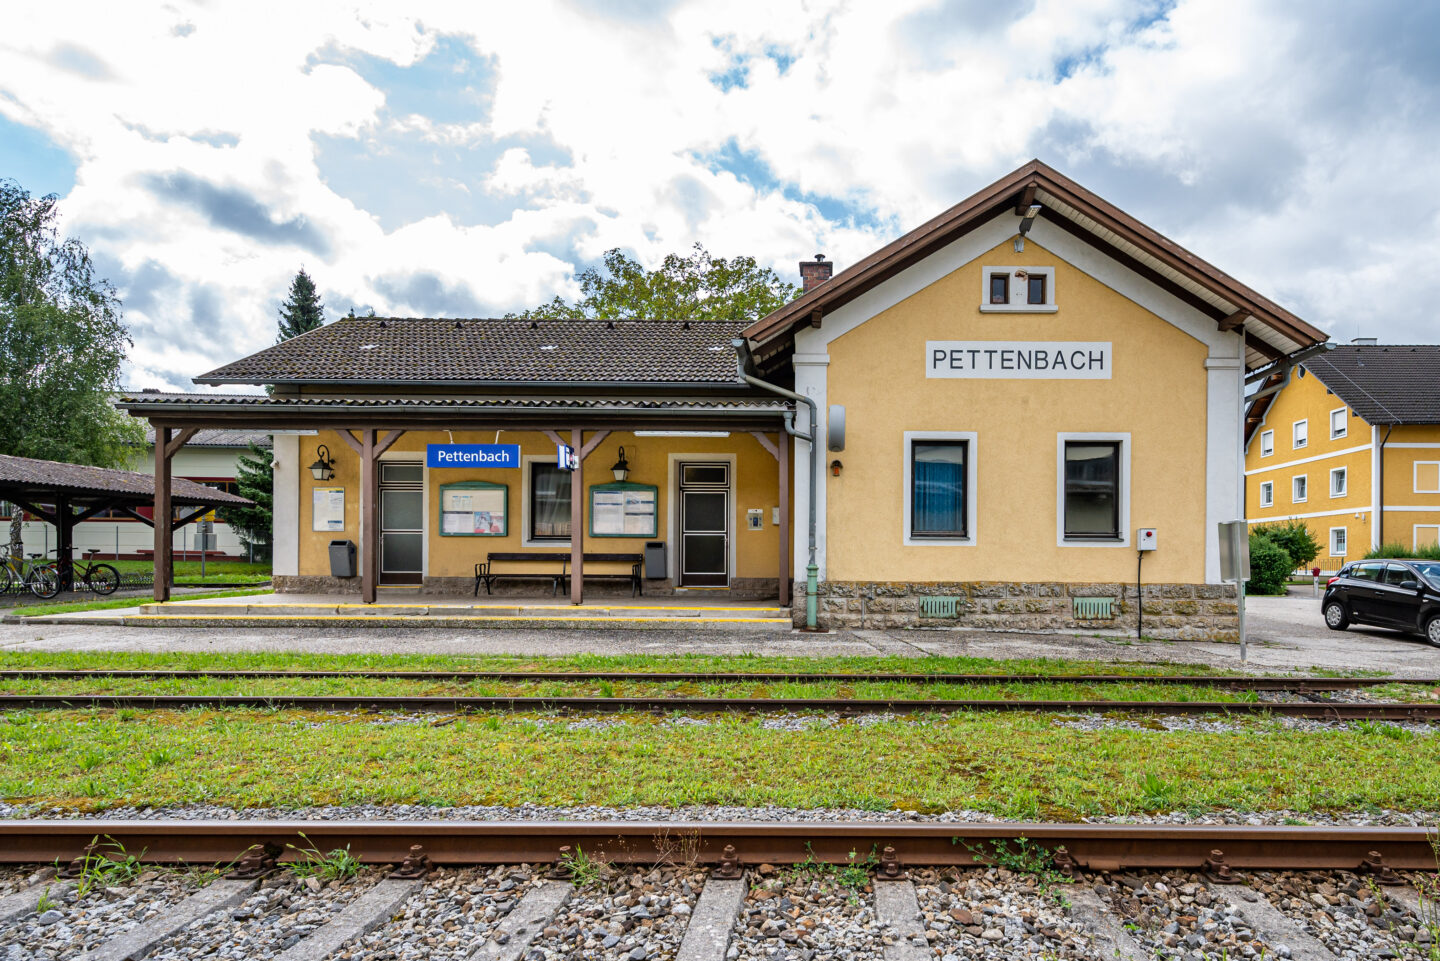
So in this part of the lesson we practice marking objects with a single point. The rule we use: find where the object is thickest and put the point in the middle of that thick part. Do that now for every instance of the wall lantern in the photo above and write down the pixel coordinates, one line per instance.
(324, 466)
(835, 467)
(621, 470)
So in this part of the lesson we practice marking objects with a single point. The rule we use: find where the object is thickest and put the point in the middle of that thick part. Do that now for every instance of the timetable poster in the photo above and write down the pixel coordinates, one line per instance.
(473, 511)
(623, 512)
(327, 509)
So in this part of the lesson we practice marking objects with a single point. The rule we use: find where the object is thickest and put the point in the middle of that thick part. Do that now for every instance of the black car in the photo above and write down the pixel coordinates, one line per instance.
(1403, 594)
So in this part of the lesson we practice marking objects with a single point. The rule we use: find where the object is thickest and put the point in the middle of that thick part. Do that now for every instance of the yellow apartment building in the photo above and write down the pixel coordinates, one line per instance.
(1349, 442)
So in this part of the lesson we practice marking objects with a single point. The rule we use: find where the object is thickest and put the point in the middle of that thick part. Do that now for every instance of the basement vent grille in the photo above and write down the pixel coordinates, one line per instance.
(939, 607)
(1094, 608)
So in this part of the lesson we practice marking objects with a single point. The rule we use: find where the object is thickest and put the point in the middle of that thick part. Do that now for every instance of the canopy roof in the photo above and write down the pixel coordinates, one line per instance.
(1271, 331)
(24, 479)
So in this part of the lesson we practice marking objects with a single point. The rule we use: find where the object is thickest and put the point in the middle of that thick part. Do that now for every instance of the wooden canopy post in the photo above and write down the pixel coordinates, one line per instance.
(370, 446)
(577, 521)
(64, 542)
(163, 534)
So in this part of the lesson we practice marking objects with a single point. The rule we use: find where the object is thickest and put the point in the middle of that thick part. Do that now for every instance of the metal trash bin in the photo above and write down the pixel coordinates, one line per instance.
(342, 558)
(655, 560)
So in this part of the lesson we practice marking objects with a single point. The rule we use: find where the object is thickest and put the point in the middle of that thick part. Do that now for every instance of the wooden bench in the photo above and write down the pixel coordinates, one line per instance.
(485, 572)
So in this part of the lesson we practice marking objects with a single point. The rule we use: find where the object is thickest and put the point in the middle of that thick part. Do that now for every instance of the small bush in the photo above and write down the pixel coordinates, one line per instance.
(1294, 538)
(1428, 553)
(1270, 566)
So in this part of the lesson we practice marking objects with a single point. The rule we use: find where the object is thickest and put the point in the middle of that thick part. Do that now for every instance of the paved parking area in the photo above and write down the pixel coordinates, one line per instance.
(1286, 634)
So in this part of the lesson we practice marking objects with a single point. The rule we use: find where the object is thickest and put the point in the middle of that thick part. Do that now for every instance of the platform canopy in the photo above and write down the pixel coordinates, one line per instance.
(66, 494)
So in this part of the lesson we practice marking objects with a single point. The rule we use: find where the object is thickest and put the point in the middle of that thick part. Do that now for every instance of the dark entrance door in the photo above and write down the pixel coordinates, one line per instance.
(402, 520)
(704, 525)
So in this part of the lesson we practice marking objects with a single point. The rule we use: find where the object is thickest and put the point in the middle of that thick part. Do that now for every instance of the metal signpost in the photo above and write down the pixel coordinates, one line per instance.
(1235, 566)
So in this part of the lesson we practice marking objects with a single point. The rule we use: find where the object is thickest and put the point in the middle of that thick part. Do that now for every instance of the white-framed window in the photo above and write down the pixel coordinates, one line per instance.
(1426, 535)
(544, 502)
(1300, 434)
(1299, 489)
(1092, 494)
(1427, 477)
(1018, 290)
(1338, 537)
(1338, 486)
(939, 473)
(1267, 443)
(1339, 423)
(1267, 493)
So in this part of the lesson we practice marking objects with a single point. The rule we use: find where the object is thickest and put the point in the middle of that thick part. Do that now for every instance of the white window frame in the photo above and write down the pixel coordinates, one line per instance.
(1123, 508)
(525, 539)
(1415, 533)
(1267, 493)
(1267, 443)
(972, 516)
(1344, 537)
(1344, 482)
(1344, 430)
(1295, 442)
(1017, 291)
(1415, 476)
(1305, 478)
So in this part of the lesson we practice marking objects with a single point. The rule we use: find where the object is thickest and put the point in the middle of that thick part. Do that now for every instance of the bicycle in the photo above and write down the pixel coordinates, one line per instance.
(40, 579)
(97, 578)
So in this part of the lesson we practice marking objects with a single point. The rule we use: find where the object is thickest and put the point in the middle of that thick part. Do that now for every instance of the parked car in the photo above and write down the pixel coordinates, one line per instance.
(1401, 594)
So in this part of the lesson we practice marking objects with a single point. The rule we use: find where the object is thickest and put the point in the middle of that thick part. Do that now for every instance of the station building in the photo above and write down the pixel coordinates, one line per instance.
(1349, 442)
(988, 411)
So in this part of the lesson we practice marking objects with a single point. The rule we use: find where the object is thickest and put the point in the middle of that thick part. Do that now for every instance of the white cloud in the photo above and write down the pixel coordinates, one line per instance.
(770, 129)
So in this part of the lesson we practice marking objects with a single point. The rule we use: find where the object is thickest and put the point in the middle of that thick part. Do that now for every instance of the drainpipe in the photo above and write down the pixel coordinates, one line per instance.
(812, 570)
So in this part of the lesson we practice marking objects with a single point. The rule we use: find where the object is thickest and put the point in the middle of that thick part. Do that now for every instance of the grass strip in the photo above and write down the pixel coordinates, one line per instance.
(76, 607)
(1024, 766)
(402, 687)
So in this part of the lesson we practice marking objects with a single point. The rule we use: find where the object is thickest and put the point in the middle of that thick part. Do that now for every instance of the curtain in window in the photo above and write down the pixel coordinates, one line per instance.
(549, 502)
(938, 481)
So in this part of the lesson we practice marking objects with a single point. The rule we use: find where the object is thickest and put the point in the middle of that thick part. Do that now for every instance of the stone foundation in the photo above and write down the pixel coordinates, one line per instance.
(1188, 612)
(314, 584)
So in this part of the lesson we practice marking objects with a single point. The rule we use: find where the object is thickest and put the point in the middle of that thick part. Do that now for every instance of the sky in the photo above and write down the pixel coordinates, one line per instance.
(468, 159)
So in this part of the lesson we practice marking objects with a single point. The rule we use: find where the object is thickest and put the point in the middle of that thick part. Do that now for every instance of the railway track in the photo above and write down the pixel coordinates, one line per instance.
(1323, 710)
(1233, 682)
(702, 891)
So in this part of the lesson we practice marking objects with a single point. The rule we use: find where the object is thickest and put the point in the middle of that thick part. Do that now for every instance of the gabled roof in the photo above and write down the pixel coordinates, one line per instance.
(430, 352)
(1271, 330)
(1389, 384)
(26, 478)
(225, 438)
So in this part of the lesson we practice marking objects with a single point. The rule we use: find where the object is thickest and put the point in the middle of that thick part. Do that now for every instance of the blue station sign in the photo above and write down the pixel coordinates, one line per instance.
(472, 455)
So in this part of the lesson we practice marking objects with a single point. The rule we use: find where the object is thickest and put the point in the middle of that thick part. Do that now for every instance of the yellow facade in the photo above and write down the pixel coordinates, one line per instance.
(875, 372)
(1411, 516)
(754, 485)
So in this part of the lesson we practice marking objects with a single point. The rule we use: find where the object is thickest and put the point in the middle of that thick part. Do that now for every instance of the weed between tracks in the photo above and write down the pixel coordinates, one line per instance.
(1012, 765)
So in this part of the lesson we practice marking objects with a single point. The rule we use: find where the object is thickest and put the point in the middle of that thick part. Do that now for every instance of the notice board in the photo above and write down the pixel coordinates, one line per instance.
(474, 509)
(327, 509)
(624, 510)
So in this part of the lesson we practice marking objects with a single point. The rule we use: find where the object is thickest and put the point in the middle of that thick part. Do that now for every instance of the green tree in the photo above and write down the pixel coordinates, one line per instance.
(1270, 566)
(255, 476)
(698, 287)
(62, 342)
(303, 312)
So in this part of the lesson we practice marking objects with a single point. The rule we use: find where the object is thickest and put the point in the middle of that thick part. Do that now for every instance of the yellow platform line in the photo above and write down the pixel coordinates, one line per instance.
(412, 620)
(480, 607)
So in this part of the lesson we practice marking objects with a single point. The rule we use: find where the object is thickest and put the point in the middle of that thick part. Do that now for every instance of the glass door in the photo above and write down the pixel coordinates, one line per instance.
(704, 525)
(402, 520)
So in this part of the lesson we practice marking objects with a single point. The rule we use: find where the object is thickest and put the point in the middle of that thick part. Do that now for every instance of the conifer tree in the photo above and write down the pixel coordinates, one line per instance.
(255, 476)
(303, 311)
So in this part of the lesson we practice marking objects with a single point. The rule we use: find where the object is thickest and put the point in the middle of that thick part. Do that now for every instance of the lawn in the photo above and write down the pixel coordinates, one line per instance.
(187, 573)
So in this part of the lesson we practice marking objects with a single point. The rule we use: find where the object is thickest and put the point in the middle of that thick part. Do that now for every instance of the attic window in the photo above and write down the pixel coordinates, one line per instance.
(999, 288)
(1018, 290)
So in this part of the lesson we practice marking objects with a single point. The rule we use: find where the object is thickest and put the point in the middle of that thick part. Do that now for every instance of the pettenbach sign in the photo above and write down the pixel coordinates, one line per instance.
(1018, 359)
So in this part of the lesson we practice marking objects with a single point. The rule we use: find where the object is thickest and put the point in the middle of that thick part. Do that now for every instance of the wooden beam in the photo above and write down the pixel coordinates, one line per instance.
(1027, 197)
(577, 523)
(559, 441)
(389, 439)
(194, 515)
(764, 442)
(180, 440)
(786, 540)
(164, 569)
(90, 512)
(591, 445)
(36, 509)
(815, 317)
(1235, 320)
(1259, 346)
(369, 518)
(349, 438)
(65, 543)
(135, 515)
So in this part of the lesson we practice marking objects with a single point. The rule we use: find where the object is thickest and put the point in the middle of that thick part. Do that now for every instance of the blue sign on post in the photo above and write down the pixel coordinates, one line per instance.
(472, 455)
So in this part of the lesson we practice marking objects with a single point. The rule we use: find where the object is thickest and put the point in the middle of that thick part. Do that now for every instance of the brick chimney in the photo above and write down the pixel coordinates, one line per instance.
(815, 272)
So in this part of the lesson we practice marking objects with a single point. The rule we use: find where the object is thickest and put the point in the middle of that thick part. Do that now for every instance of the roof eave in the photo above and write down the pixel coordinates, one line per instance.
(208, 381)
